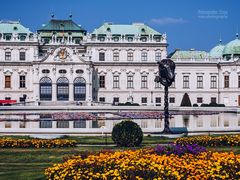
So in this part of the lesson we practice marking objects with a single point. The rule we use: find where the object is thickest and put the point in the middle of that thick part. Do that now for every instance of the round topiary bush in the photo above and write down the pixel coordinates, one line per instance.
(127, 134)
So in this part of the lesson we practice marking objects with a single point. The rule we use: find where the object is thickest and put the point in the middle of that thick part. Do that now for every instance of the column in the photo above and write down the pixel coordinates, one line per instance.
(54, 92)
(89, 87)
(71, 97)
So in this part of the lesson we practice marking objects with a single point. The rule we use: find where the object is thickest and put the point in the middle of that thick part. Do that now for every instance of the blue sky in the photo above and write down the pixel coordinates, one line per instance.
(188, 24)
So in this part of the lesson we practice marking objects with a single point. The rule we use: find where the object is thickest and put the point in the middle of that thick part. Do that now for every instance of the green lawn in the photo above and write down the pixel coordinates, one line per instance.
(102, 140)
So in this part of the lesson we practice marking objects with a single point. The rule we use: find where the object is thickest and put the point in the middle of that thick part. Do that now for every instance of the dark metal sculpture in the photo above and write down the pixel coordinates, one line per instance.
(166, 78)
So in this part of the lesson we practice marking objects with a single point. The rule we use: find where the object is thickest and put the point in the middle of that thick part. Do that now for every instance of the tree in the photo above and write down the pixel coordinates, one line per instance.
(186, 101)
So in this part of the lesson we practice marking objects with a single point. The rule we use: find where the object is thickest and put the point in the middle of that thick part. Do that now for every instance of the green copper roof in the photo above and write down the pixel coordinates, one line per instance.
(133, 29)
(189, 54)
(217, 51)
(232, 47)
(61, 25)
(10, 27)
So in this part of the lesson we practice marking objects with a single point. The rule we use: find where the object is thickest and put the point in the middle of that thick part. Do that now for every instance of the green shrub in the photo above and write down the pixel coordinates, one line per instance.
(186, 101)
(212, 105)
(127, 134)
(128, 104)
(195, 105)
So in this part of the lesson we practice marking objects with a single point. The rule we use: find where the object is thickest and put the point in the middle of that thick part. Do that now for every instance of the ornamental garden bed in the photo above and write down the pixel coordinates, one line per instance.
(149, 163)
(36, 143)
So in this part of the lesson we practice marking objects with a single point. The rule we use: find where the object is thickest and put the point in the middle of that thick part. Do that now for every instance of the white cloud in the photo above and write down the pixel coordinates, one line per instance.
(168, 20)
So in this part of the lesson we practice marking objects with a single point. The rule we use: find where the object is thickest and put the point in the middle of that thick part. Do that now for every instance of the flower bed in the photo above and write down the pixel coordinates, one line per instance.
(147, 164)
(178, 149)
(36, 143)
(233, 140)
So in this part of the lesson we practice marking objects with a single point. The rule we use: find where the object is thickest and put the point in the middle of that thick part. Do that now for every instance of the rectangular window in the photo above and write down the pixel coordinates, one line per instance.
(8, 55)
(101, 56)
(226, 81)
(102, 99)
(173, 85)
(62, 124)
(79, 124)
(185, 81)
(213, 81)
(143, 124)
(158, 124)
(130, 81)
(157, 84)
(213, 123)
(102, 81)
(172, 99)
(116, 56)
(115, 100)
(144, 82)
(226, 123)
(45, 124)
(144, 100)
(213, 100)
(22, 81)
(22, 56)
(144, 56)
(22, 124)
(8, 125)
(158, 101)
(199, 99)
(158, 56)
(7, 81)
(199, 123)
(130, 56)
(115, 81)
(199, 81)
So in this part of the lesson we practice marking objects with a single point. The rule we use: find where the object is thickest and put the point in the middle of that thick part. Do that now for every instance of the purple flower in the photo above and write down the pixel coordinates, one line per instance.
(178, 149)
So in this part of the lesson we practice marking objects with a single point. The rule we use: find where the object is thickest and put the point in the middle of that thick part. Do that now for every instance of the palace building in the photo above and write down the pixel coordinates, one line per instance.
(63, 64)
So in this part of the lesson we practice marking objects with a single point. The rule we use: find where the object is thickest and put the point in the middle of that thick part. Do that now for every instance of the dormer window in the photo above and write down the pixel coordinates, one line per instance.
(143, 39)
(46, 40)
(79, 71)
(62, 71)
(101, 38)
(22, 37)
(8, 37)
(15, 28)
(45, 71)
(77, 40)
(157, 39)
(130, 39)
(116, 39)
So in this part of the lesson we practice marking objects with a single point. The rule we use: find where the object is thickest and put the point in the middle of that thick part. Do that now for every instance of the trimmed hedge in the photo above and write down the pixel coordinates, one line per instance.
(127, 134)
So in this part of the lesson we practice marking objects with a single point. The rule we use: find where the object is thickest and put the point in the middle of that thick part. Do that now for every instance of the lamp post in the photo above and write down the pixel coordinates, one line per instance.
(166, 78)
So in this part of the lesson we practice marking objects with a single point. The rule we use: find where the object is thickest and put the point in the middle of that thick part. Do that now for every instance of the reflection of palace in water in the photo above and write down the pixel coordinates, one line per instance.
(103, 123)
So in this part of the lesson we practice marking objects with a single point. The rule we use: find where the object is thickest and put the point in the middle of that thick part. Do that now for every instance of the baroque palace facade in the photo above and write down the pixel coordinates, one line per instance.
(63, 64)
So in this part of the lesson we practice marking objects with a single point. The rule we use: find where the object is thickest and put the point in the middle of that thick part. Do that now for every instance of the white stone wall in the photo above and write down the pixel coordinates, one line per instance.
(89, 62)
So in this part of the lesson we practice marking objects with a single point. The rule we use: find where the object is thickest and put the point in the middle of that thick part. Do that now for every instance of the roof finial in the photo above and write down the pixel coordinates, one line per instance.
(237, 33)
(70, 16)
(52, 15)
(220, 39)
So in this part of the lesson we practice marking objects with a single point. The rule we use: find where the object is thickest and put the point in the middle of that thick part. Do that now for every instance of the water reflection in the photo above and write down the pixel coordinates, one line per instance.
(31, 123)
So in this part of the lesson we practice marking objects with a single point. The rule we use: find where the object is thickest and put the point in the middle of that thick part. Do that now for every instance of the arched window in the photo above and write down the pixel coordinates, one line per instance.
(79, 89)
(45, 89)
(62, 89)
